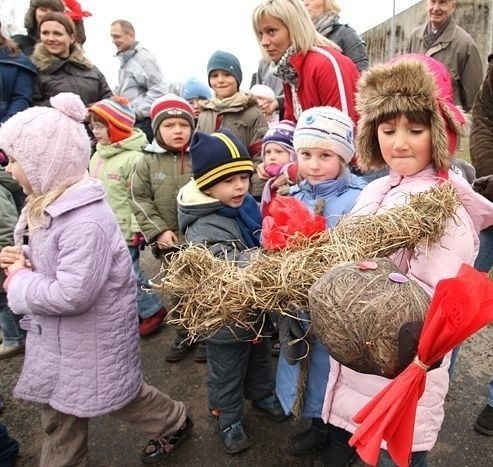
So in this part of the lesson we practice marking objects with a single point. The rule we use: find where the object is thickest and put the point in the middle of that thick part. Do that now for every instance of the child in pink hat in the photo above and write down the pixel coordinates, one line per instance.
(75, 286)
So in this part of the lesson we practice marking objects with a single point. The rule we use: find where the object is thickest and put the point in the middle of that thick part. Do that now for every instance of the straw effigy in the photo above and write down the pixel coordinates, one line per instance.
(361, 313)
(209, 292)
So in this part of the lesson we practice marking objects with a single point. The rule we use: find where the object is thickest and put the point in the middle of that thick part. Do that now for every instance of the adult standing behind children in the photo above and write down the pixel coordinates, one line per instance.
(140, 78)
(232, 108)
(216, 209)
(441, 38)
(119, 147)
(154, 186)
(62, 65)
(325, 17)
(480, 143)
(313, 71)
(75, 286)
(17, 73)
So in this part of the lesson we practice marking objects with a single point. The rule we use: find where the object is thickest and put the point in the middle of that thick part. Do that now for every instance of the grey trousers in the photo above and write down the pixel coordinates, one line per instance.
(235, 372)
(151, 412)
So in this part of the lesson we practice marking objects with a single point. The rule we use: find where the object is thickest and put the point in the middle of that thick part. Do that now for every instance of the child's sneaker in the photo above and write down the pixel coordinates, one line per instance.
(235, 439)
(484, 422)
(272, 407)
(177, 352)
(159, 449)
(151, 325)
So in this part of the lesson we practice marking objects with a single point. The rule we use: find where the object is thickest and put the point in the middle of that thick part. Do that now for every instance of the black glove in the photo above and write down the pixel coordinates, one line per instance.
(408, 340)
(292, 338)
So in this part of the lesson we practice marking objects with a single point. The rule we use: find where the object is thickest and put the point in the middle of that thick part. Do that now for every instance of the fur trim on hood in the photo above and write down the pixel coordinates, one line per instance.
(411, 83)
(30, 16)
(47, 62)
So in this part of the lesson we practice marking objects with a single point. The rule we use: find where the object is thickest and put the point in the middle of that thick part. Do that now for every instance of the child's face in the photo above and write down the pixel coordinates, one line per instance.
(195, 103)
(223, 83)
(18, 174)
(318, 165)
(275, 154)
(100, 132)
(405, 145)
(231, 191)
(175, 132)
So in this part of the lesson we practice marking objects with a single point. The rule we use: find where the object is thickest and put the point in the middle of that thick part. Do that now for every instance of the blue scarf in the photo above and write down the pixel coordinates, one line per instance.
(248, 218)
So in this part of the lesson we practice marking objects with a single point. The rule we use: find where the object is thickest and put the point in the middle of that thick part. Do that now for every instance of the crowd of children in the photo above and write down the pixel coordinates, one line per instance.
(196, 183)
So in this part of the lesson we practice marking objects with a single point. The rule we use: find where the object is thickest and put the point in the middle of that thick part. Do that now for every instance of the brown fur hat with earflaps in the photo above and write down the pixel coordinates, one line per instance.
(408, 84)
(30, 17)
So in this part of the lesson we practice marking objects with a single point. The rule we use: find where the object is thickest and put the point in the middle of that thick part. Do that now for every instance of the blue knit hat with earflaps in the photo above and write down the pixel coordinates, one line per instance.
(217, 156)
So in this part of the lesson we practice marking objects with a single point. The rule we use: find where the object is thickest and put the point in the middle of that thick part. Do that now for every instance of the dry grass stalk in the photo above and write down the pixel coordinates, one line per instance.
(211, 292)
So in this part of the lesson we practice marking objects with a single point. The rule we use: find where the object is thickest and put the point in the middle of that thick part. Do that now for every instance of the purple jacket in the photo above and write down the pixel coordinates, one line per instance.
(82, 350)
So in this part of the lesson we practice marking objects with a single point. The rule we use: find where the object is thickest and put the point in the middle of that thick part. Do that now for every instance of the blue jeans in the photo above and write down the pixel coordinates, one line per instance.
(9, 322)
(484, 261)
(490, 394)
(418, 459)
(148, 301)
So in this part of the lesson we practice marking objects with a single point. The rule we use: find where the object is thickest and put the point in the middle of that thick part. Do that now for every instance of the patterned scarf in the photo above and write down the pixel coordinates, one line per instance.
(325, 23)
(248, 218)
(284, 70)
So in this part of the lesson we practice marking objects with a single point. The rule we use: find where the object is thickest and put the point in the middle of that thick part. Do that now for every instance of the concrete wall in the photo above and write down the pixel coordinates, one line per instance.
(475, 16)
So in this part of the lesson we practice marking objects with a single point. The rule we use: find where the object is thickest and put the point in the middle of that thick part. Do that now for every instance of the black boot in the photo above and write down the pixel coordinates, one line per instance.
(311, 440)
(484, 422)
(338, 453)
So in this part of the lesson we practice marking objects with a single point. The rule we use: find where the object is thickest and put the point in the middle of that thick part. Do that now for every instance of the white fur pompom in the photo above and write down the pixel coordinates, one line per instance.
(70, 104)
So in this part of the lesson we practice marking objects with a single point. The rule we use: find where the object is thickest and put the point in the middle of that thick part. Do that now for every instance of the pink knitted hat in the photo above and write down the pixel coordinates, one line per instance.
(50, 144)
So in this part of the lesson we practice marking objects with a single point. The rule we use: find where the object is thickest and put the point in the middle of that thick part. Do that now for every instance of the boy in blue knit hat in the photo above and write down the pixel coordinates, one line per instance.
(233, 109)
(197, 94)
(216, 209)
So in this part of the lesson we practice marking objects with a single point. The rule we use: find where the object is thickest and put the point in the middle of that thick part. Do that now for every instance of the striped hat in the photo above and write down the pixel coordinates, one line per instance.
(325, 128)
(117, 115)
(169, 106)
(218, 156)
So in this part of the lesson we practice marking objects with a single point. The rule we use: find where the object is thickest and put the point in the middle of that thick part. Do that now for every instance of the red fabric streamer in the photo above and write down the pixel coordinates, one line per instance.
(74, 10)
(287, 217)
(460, 307)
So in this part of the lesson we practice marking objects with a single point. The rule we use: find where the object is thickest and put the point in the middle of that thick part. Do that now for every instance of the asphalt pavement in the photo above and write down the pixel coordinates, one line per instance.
(114, 444)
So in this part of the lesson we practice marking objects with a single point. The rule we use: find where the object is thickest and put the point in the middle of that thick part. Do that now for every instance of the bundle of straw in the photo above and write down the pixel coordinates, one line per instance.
(211, 293)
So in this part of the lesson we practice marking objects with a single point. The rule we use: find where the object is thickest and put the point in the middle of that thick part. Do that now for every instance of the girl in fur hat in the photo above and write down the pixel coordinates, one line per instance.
(409, 123)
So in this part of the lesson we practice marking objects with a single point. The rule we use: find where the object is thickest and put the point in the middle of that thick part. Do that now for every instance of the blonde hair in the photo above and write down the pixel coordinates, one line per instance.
(331, 6)
(36, 205)
(294, 15)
